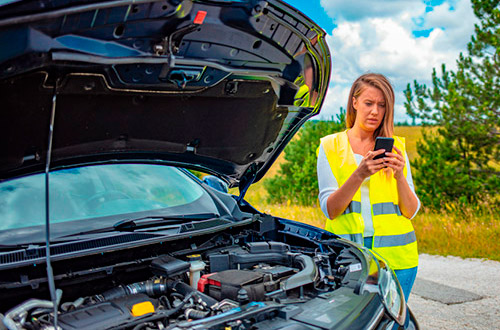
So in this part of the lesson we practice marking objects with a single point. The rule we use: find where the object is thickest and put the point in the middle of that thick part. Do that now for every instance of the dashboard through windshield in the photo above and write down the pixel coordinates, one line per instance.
(100, 191)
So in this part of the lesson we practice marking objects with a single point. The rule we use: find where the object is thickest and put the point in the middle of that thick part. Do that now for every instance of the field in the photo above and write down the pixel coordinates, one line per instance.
(443, 234)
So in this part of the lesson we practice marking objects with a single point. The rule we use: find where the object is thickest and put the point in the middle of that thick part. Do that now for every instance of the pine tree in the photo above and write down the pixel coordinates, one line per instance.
(459, 158)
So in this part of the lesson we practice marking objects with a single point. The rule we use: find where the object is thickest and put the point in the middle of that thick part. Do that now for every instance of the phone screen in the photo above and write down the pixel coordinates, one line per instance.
(383, 143)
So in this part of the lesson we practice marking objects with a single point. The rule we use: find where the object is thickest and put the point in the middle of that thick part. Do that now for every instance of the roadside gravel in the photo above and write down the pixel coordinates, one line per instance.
(478, 276)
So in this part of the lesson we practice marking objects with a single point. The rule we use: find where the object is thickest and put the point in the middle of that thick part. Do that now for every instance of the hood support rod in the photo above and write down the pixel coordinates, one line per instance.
(247, 180)
(50, 273)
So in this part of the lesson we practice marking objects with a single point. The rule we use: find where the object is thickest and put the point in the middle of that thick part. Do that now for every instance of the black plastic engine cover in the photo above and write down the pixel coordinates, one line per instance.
(240, 285)
(103, 315)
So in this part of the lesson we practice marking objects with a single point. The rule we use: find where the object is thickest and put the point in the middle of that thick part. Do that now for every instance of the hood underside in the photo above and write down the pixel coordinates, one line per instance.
(221, 86)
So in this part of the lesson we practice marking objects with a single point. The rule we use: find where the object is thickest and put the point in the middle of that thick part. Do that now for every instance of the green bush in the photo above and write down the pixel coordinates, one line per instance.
(296, 180)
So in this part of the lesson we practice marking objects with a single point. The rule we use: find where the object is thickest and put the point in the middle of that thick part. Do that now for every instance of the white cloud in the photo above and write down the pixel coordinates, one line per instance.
(335, 98)
(458, 24)
(379, 38)
(398, 54)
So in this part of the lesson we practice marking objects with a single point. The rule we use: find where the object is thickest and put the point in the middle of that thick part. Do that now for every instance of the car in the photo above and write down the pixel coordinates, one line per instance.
(124, 124)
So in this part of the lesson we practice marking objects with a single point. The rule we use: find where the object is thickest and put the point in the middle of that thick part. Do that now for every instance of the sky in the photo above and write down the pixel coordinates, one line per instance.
(402, 39)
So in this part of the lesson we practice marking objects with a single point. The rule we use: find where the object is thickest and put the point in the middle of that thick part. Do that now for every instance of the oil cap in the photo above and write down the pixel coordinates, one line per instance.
(142, 308)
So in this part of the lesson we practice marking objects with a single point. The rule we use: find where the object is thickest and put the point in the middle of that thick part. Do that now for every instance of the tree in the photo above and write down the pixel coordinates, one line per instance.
(459, 158)
(297, 180)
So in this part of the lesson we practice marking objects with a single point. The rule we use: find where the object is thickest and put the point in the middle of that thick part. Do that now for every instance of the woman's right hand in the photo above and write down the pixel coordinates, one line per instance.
(369, 166)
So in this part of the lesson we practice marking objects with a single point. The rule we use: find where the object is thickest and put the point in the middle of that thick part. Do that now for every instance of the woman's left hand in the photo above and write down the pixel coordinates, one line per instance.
(396, 161)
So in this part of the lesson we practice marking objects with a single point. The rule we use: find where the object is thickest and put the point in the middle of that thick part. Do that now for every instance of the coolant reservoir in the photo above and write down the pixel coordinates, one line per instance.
(197, 265)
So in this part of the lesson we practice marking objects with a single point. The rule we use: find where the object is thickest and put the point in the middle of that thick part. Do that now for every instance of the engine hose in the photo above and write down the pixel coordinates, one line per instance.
(154, 288)
(24, 308)
(185, 289)
(151, 288)
(195, 314)
(307, 275)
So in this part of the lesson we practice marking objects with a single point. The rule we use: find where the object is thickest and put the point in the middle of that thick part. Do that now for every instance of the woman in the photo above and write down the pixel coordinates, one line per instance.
(370, 201)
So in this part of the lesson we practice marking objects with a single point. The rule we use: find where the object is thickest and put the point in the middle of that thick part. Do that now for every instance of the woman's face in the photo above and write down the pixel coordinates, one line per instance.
(370, 109)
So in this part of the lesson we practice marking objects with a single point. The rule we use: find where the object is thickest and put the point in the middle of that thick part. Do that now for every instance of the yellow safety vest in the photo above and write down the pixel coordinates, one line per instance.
(394, 237)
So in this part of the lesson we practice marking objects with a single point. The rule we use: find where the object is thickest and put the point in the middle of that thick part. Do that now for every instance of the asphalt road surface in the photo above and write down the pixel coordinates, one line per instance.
(455, 293)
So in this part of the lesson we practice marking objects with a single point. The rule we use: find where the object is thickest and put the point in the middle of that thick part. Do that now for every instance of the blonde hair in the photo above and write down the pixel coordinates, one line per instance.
(380, 82)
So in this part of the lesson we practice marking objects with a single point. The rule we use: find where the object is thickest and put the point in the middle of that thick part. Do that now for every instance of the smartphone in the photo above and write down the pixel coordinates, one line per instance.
(383, 143)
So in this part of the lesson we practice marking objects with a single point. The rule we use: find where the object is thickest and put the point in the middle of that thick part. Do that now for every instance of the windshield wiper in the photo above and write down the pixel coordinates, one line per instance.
(148, 222)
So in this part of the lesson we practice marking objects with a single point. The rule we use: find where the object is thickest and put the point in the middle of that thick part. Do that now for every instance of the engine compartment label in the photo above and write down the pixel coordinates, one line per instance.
(355, 268)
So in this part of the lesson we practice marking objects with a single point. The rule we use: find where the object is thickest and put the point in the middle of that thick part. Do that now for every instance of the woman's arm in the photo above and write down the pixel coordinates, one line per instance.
(340, 199)
(408, 202)
(327, 183)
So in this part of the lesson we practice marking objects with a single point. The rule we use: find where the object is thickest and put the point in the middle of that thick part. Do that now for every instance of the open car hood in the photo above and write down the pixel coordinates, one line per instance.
(221, 86)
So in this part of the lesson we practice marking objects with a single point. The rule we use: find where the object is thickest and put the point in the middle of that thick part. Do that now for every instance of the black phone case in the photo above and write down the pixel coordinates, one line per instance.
(383, 143)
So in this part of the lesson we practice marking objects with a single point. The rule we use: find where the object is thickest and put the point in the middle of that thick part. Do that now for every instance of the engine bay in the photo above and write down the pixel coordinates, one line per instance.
(230, 287)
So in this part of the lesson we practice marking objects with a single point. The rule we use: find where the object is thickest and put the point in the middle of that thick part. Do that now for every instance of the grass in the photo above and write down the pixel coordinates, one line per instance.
(465, 234)
(449, 234)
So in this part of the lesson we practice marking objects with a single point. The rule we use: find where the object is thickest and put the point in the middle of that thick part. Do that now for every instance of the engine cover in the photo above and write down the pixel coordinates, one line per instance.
(103, 315)
(246, 285)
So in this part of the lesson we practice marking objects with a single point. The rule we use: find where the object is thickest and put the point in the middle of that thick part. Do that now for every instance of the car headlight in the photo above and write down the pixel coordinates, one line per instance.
(391, 292)
(382, 279)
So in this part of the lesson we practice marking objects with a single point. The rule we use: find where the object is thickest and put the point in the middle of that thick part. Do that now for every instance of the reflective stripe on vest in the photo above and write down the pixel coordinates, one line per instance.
(394, 237)
(378, 209)
(394, 240)
(353, 207)
(385, 208)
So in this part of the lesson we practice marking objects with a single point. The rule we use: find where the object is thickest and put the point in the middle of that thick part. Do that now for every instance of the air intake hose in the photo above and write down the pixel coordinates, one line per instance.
(151, 288)
(307, 275)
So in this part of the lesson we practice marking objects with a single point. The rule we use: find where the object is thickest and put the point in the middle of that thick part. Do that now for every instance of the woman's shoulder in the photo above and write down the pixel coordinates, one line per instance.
(333, 137)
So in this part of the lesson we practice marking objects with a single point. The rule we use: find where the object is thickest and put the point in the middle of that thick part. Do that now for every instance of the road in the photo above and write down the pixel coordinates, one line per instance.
(455, 293)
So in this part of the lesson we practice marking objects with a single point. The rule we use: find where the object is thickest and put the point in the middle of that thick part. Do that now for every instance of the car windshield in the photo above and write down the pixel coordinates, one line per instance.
(101, 191)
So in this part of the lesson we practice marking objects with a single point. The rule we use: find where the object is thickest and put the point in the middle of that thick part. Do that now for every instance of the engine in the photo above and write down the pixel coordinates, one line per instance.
(180, 291)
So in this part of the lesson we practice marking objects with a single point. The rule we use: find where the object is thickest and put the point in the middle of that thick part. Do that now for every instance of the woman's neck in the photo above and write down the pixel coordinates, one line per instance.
(361, 141)
(361, 135)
